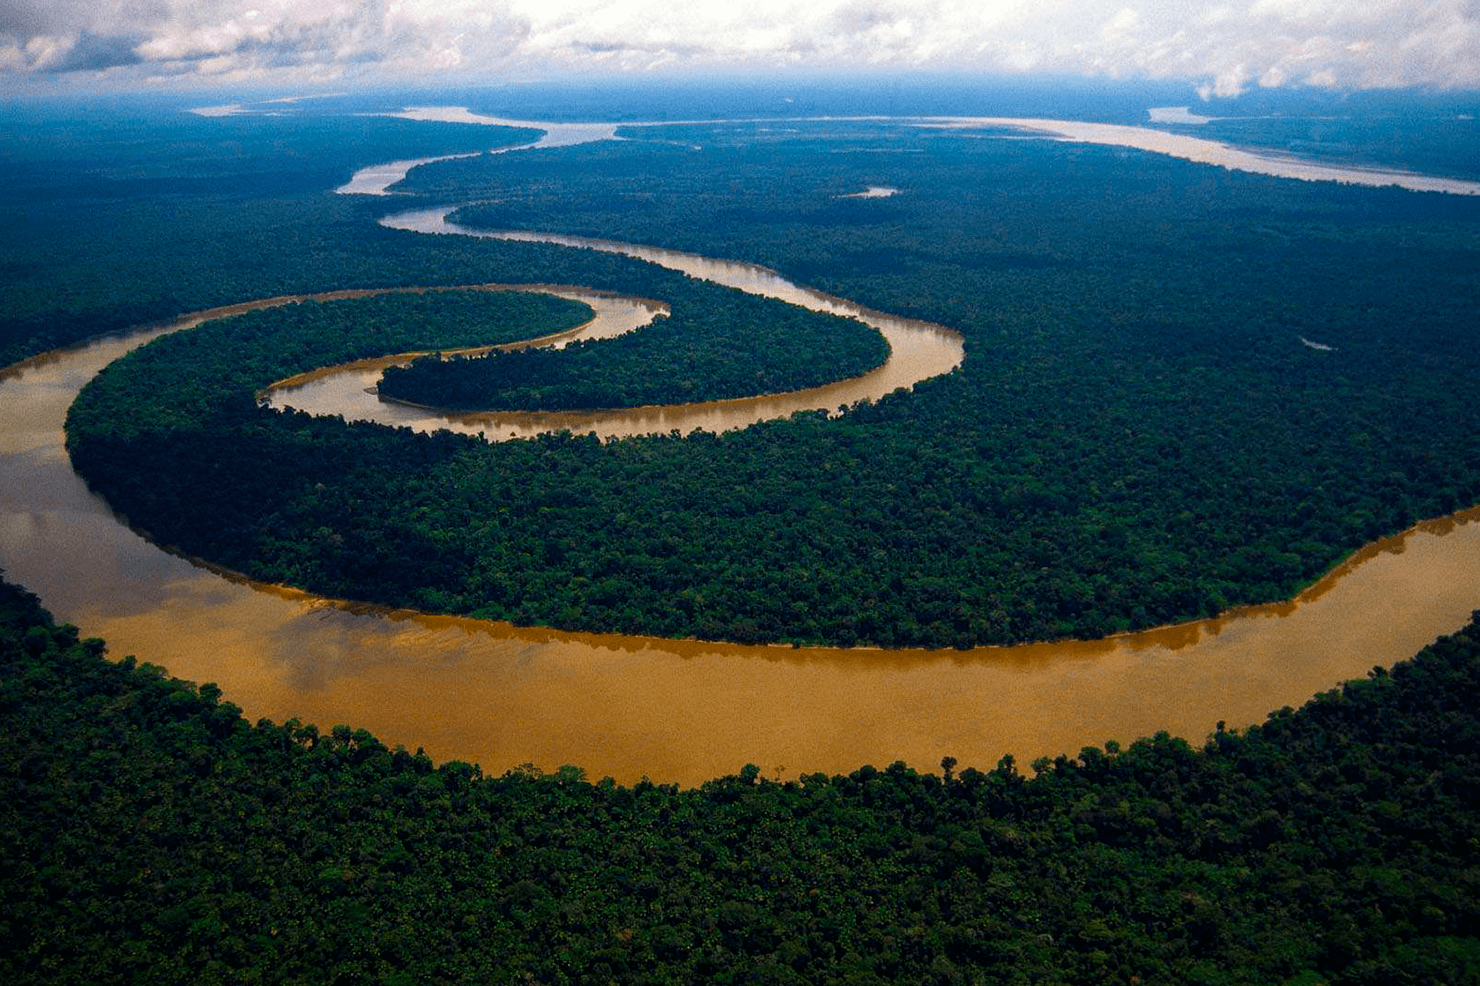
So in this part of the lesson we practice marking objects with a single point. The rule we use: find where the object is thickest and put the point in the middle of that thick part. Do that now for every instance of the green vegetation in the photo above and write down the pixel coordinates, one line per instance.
(1138, 434)
(153, 834)
(128, 220)
(719, 344)
(1423, 142)
(202, 369)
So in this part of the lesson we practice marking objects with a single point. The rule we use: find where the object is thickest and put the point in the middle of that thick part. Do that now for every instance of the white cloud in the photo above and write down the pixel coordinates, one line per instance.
(1121, 24)
(1225, 46)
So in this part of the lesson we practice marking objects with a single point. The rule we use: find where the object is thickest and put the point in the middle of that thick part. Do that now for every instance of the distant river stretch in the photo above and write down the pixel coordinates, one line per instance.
(678, 710)
(378, 179)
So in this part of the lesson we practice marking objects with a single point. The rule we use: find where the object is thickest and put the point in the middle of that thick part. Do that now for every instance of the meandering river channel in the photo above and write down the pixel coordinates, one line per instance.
(918, 350)
(679, 711)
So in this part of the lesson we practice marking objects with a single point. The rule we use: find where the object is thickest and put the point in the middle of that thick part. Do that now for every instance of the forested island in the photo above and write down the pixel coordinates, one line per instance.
(228, 361)
(717, 344)
(1142, 431)
(153, 833)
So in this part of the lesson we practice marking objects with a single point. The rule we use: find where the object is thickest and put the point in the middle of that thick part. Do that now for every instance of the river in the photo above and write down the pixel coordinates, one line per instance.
(680, 711)
(917, 351)
(685, 711)
(378, 179)
(1199, 150)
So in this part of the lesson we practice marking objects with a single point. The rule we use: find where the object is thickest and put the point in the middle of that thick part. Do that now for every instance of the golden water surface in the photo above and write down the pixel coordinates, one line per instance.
(678, 711)
(917, 351)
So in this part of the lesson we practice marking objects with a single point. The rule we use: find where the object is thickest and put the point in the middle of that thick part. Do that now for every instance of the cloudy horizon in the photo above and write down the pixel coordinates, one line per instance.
(1222, 49)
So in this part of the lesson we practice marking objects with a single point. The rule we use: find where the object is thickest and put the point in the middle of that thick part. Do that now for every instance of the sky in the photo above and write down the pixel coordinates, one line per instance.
(1222, 49)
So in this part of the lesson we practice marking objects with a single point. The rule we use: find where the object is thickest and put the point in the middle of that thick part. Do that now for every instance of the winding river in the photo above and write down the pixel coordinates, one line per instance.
(917, 351)
(678, 711)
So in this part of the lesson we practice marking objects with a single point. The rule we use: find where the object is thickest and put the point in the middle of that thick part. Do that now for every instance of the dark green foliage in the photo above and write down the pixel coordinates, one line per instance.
(189, 377)
(153, 835)
(1138, 434)
(115, 222)
(717, 344)
(1424, 143)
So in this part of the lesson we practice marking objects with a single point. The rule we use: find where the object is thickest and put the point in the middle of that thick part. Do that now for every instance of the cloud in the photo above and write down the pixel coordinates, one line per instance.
(255, 38)
(1226, 47)
(91, 53)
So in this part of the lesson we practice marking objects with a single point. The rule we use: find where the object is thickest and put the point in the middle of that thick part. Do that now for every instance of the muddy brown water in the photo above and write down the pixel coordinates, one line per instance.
(917, 350)
(679, 711)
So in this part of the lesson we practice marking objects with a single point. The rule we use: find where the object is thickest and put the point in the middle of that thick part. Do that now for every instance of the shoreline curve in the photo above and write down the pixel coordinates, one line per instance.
(684, 710)
(1172, 635)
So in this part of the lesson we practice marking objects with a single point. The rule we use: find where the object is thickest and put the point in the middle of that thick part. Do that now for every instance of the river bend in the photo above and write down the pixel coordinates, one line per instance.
(679, 711)
(918, 351)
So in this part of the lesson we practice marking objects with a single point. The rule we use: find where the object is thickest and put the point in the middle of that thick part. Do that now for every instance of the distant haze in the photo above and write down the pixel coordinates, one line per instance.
(1223, 49)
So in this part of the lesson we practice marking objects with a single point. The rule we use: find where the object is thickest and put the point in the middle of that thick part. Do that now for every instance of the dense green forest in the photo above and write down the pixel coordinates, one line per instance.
(133, 217)
(199, 370)
(717, 344)
(1143, 430)
(155, 835)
